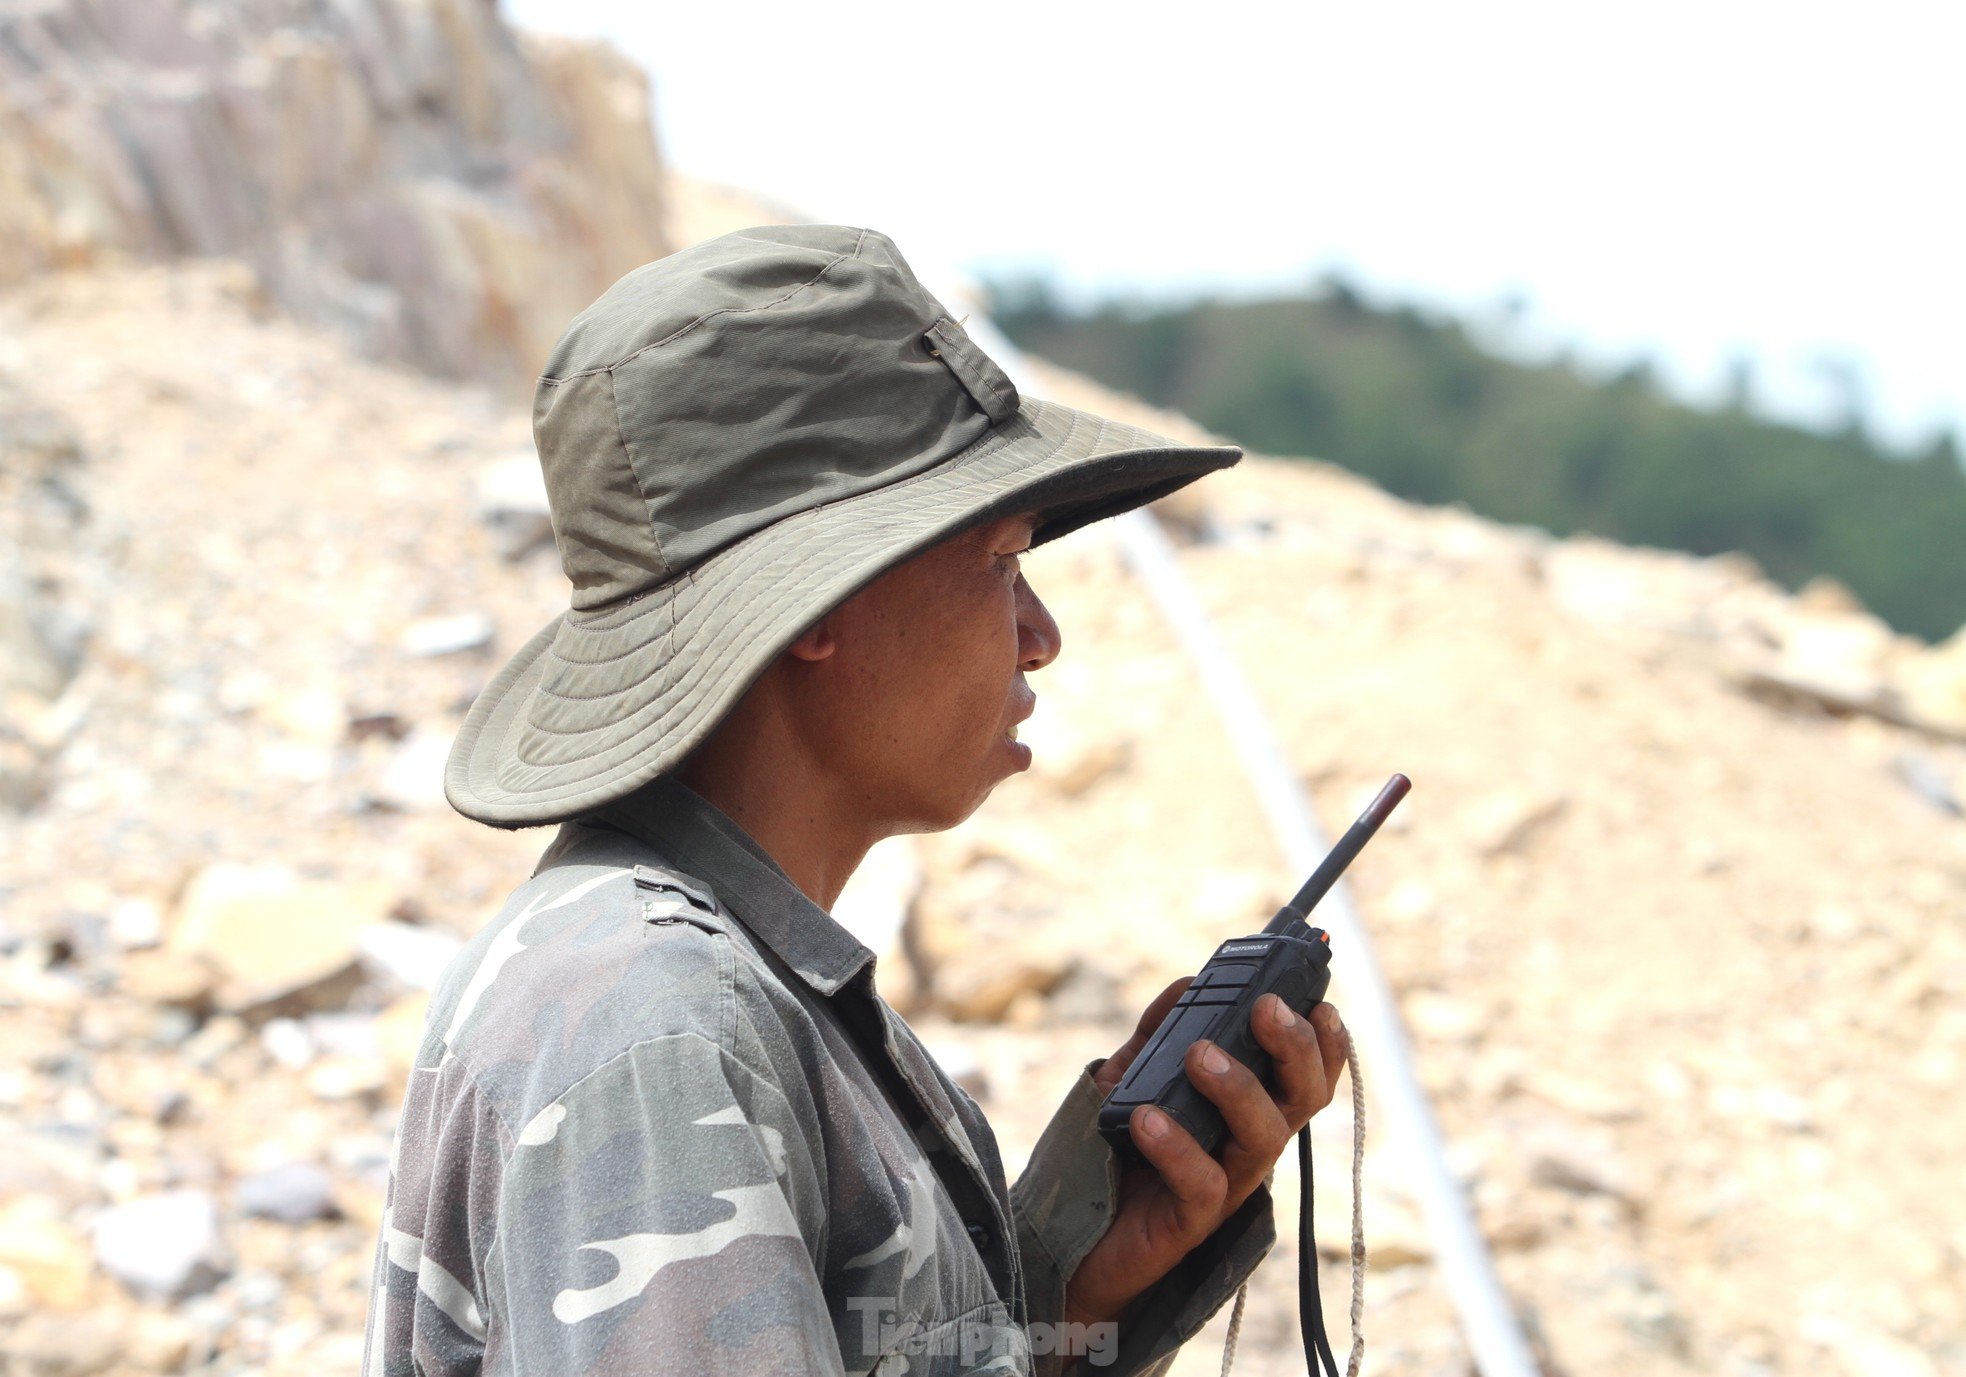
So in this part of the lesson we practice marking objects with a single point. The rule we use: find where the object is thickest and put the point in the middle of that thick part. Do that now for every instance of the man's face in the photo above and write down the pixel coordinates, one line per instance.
(914, 705)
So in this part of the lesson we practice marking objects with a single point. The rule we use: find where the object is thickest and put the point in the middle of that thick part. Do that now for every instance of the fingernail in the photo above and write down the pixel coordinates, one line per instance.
(1328, 1015)
(1154, 1124)
(1281, 1013)
(1214, 1060)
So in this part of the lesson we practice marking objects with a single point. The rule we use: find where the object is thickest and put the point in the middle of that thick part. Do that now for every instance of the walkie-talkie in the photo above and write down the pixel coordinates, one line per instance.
(1288, 958)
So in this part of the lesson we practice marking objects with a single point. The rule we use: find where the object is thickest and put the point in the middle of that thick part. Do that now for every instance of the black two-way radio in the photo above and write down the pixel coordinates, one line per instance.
(1288, 958)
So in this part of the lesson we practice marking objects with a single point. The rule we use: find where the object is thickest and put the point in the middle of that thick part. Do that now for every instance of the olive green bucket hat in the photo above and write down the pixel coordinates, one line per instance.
(736, 439)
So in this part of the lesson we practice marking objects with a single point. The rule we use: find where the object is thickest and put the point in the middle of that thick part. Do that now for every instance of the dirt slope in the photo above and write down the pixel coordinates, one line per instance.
(1684, 966)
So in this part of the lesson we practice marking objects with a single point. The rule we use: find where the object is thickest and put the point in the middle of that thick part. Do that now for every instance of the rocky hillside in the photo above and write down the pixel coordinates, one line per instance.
(413, 172)
(1680, 942)
(1676, 913)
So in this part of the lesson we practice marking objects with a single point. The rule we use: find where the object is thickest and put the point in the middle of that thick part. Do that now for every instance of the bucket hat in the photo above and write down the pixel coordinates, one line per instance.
(735, 439)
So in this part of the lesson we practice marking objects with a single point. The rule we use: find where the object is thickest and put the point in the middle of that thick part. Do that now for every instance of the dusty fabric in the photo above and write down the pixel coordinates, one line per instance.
(661, 1122)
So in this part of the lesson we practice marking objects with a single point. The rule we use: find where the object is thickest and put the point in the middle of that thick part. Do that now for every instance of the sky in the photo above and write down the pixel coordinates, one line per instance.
(1695, 183)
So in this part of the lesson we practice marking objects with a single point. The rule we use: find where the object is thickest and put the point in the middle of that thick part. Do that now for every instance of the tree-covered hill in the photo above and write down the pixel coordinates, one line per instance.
(1415, 404)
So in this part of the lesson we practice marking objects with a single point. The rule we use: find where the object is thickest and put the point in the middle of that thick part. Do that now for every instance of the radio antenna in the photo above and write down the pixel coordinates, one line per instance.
(1298, 910)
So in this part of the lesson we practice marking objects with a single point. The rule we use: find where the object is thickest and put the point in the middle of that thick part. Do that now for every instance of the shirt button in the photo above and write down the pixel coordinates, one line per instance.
(980, 1236)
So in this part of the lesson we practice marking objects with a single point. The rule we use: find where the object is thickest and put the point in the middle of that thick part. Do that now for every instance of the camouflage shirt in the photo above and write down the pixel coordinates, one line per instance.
(661, 1122)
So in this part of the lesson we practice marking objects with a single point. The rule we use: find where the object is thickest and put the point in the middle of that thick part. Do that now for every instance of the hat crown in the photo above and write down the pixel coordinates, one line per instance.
(713, 392)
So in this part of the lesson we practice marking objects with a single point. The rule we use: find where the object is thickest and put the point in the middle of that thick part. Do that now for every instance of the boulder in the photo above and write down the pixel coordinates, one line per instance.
(1932, 686)
(292, 1193)
(275, 940)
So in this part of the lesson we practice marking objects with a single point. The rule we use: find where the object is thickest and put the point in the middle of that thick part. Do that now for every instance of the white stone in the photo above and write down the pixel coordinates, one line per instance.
(408, 953)
(449, 635)
(413, 780)
(286, 1041)
(136, 923)
(165, 1245)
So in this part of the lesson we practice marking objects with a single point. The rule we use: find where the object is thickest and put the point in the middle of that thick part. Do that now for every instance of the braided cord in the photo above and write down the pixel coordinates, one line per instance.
(1307, 1244)
(1358, 1210)
(1235, 1327)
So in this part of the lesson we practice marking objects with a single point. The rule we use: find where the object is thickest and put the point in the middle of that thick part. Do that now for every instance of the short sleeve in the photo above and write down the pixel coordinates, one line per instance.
(665, 1214)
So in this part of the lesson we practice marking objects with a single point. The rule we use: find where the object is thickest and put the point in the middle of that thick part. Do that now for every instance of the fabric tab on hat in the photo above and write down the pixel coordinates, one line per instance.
(981, 378)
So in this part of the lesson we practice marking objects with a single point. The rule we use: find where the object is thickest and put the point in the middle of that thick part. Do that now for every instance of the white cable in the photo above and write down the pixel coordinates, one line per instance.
(1494, 1337)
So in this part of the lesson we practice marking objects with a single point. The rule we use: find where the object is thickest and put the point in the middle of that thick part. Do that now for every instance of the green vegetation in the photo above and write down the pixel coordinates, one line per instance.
(1414, 404)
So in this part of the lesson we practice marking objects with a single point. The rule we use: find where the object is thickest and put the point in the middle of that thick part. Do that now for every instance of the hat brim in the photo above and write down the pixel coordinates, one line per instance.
(599, 702)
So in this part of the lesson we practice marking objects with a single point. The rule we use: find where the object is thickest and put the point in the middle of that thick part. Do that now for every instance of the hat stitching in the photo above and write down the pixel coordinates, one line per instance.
(706, 611)
(614, 402)
(967, 371)
(689, 581)
(546, 381)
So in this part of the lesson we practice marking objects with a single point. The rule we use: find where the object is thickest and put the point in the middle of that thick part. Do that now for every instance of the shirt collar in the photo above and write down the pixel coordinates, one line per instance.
(686, 827)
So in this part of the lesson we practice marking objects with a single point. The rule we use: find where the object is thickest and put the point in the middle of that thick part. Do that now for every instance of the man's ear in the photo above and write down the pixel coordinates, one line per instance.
(816, 642)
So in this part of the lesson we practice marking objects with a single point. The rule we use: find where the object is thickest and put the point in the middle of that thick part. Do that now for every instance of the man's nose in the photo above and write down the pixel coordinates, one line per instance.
(1038, 637)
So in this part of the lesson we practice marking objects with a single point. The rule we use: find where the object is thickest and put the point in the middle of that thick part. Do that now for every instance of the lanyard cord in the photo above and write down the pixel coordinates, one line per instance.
(1310, 1309)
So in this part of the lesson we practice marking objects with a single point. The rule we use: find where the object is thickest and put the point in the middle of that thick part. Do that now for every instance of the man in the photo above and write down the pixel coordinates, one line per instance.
(662, 1120)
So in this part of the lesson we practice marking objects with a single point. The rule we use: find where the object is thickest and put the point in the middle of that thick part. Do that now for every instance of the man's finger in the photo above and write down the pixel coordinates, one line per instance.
(1302, 1085)
(1257, 1131)
(1334, 1040)
(1109, 1074)
(1195, 1180)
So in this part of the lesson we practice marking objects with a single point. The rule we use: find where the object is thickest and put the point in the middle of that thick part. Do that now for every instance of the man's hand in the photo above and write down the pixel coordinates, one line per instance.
(1166, 1208)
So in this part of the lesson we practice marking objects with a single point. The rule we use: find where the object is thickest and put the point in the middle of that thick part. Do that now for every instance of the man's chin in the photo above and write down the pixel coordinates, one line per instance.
(1009, 758)
(1019, 752)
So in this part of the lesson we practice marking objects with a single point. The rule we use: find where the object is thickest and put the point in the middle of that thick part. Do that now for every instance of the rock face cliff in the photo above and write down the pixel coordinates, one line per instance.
(442, 189)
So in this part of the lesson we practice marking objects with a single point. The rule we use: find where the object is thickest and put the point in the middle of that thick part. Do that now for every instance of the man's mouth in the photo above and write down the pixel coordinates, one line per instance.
(1011, 734)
